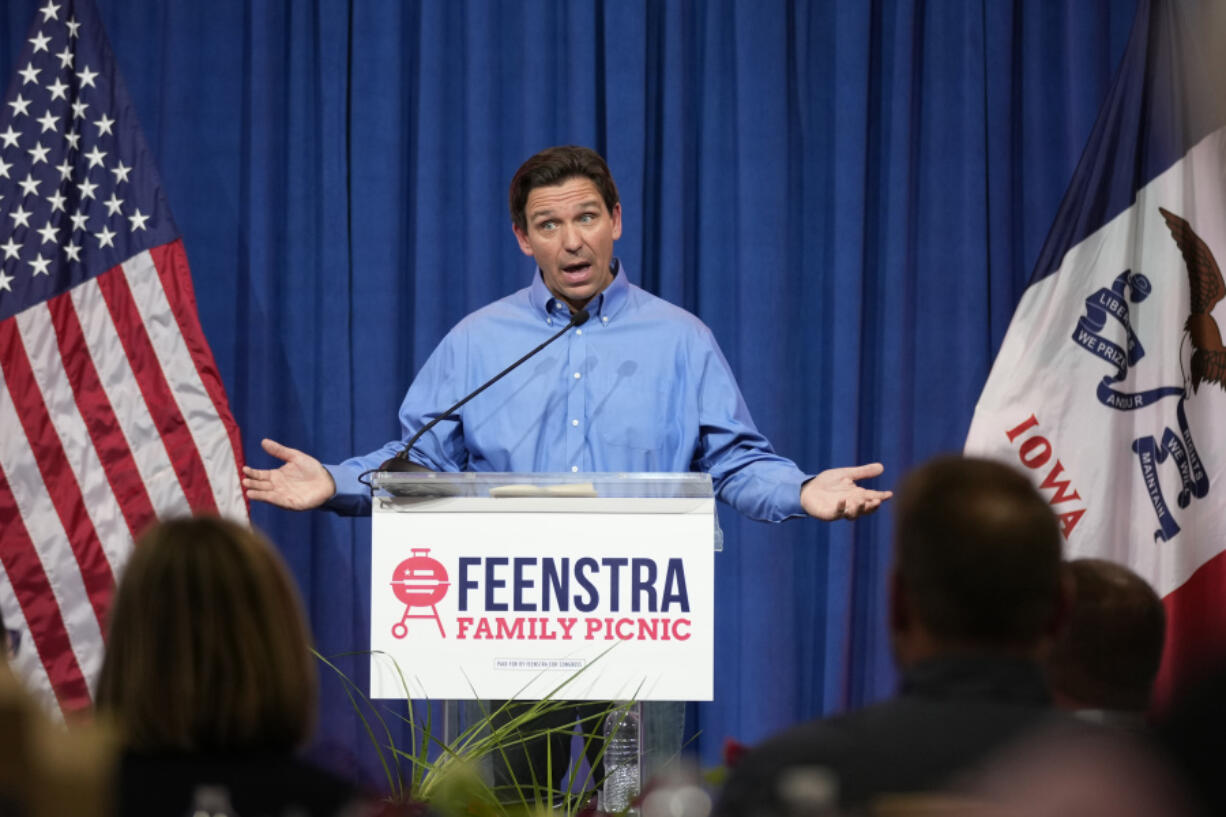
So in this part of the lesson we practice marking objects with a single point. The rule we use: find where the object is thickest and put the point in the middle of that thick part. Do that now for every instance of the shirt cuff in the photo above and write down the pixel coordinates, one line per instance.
(352, 498)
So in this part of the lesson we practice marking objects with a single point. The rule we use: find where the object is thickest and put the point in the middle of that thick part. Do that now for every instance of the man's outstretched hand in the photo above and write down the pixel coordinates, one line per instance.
(300, 484)
(834, 494)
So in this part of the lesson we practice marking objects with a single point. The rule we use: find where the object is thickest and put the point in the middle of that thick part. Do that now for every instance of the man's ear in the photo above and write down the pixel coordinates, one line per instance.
(900, 611)
(1065, 600)
(522, 237)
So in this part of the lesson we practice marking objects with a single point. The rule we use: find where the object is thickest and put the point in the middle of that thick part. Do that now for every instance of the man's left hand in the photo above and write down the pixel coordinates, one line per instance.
(833, 494)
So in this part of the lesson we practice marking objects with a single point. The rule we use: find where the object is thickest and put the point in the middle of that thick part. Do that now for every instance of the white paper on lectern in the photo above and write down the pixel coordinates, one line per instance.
(425, 646)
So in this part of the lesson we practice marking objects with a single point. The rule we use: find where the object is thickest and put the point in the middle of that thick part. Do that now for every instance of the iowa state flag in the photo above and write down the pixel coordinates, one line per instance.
(112, 413)
(1110, 386)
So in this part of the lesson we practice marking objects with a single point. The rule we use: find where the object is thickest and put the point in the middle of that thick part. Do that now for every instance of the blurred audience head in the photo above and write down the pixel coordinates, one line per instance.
(1108, 653)
(208, 649)
(977, 562)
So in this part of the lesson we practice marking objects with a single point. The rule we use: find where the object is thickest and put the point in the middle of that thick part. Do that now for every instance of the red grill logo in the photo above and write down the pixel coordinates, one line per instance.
(420, 583)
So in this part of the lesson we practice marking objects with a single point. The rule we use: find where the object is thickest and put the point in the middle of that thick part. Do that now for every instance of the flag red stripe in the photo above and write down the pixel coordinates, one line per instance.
(170, 260)
(62, 487)
(159, 399)
(38, 605)
(1195, 631)
(99, 417)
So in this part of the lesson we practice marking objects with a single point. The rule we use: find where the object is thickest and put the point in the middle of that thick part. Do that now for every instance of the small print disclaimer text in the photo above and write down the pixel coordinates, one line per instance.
(538, 664)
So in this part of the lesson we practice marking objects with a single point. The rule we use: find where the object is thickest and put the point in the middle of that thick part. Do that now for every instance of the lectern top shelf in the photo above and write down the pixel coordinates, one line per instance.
(500, 484)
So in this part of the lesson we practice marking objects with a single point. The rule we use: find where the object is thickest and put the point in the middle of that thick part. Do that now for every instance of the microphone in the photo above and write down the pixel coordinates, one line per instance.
(401, 462)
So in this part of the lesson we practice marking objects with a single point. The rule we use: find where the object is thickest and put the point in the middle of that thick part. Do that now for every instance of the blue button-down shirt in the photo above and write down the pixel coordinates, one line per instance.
(642, 386)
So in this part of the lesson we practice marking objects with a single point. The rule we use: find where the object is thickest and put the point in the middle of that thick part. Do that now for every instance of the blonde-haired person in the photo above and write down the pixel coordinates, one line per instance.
(45, 769)
(209, 677)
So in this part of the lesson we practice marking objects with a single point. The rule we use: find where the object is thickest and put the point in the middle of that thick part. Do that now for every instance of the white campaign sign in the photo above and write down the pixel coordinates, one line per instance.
(579, 599)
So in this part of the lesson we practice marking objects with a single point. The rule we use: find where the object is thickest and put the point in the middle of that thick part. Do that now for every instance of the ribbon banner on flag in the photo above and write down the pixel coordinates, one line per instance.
(112, 410)
(1110, 385)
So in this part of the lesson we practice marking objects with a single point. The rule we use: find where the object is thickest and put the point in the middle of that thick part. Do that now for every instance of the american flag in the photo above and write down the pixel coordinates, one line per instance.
(112, 412)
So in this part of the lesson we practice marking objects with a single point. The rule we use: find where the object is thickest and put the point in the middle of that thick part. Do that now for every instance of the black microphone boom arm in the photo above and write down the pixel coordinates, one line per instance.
(401, 461)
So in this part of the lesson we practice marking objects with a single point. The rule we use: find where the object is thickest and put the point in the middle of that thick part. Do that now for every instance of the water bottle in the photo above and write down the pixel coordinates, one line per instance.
(623, 777)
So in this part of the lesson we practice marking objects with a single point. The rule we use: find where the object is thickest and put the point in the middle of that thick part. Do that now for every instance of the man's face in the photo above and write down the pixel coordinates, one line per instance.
(570, 234)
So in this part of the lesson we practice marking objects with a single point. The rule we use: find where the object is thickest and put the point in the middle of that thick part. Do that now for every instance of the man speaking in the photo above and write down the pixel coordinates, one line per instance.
(636, 385)
(630, 383)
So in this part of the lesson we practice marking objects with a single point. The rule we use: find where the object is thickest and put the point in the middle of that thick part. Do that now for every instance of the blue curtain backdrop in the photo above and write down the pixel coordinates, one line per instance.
(851, 195)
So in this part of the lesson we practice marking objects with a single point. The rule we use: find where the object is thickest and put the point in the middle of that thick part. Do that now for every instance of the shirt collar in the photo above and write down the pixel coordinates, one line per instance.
(977, 676)
(604, 305)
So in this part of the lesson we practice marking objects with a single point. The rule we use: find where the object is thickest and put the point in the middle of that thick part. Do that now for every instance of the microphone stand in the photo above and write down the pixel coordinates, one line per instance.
(401, 462)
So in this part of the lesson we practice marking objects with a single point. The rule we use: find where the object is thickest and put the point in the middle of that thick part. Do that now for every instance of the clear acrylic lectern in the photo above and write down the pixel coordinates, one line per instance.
(596, 586)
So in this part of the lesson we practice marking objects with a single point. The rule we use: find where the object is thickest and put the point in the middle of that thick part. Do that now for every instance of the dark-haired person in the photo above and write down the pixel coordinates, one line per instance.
(209, 678)
(1105, 661)
(640, 387)
(976, 595)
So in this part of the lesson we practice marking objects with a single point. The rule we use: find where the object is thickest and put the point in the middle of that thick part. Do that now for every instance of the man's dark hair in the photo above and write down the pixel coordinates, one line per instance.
(1108, 654)
(978, 550)
(554, 166)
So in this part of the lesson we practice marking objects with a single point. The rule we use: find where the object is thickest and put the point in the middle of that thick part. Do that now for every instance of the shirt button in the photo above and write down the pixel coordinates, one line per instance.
(577, 375)
(549, 321)
(574, 422)
(578, 331)
(604, 318)
(574, 469)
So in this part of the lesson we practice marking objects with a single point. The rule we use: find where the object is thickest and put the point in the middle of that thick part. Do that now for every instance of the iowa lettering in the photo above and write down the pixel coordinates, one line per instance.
(1035, 452)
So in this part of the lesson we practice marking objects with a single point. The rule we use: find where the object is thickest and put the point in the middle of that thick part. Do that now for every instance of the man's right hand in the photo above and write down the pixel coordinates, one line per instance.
(300, 484)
